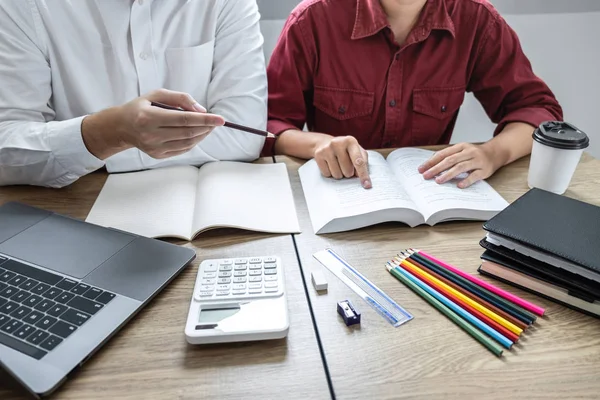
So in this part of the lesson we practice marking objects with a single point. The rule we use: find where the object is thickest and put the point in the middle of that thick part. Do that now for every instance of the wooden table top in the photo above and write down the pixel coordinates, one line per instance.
(149, 358)
(430, 357)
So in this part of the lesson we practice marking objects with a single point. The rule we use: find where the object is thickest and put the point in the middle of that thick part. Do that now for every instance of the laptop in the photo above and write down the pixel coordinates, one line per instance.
(67, 286)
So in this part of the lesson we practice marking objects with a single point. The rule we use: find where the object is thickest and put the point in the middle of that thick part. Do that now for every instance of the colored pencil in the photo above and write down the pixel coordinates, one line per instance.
(227, 124)
(508, 296)
(477, 314)
(507, 324)
(498, 301)
(449, 302)
(405, 278)
(468, 293)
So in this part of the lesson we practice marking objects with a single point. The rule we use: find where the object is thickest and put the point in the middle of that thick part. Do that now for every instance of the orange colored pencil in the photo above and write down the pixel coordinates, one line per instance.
(477, 314)
(424, 275)
(473, 296)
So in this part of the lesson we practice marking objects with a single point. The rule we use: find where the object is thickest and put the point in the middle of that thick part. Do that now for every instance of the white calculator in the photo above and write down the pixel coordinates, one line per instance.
(238, 299)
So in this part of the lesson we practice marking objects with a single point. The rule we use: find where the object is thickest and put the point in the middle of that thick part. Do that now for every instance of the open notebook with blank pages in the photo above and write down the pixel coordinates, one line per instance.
(184, 201)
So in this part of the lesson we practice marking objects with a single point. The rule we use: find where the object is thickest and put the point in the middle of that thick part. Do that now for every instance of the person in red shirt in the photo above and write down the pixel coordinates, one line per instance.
(365, 74)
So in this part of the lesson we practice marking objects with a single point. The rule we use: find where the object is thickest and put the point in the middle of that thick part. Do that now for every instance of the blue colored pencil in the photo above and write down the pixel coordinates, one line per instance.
(457, 309)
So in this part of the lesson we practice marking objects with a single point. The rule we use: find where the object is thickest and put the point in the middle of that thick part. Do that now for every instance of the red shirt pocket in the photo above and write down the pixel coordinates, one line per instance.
(342, 111)
(434, 114)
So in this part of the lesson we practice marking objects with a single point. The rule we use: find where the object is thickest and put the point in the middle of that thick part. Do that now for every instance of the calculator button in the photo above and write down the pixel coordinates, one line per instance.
(256, 266)
(222, 292)
(255, 285)
(270, 290)
(240, 273)
(270, 266)
(225, 262)
(269, 260)
(255, 279)
(209, 275)
(223, 287)
(209, 267)
(206, 293)
(205, 288)
(270, 278)
(255, 260)
(240, 261)
(255, 273)
(238, 292)
(225, 268)
(223, 281)
(239, 286)
(270, 284)
(207, 281)
(225, 274)
(270, 272)
(255, 291)
(239, 279)
(240, 267)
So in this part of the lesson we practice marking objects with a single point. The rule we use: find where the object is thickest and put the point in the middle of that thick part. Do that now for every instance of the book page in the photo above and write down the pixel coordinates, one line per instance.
(432, 197)
(153, 203)
(255, 197)
(329, 199)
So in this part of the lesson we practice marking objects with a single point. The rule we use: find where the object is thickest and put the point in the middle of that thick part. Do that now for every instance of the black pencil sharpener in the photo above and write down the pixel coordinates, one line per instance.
(350, 314)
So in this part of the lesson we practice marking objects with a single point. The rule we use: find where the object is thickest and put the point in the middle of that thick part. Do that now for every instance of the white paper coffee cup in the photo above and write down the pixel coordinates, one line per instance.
(557, 149)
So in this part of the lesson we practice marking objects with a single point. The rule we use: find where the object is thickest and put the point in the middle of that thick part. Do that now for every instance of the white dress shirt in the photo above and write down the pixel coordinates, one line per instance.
(61, 60)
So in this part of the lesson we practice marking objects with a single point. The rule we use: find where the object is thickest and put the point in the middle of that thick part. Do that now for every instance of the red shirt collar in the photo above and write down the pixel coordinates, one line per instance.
(370, 18)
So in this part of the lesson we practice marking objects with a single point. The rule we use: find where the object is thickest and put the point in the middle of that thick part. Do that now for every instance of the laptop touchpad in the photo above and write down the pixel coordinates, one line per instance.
(66, 245)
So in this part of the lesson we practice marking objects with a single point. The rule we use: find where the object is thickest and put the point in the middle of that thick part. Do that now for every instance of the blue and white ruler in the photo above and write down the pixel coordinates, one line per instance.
(375, 297)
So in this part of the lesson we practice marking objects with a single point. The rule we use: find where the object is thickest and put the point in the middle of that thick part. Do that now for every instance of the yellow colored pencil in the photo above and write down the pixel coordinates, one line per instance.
(507, 324)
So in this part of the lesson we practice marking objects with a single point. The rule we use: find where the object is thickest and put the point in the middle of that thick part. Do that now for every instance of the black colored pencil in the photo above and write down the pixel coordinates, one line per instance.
(227, 124)
(492, 298)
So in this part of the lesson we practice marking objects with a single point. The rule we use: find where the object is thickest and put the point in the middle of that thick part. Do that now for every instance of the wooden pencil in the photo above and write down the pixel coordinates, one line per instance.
(472, 295)
(507, 324)
(477, 314)
(470, 329)
(227, 124)
(498, 301)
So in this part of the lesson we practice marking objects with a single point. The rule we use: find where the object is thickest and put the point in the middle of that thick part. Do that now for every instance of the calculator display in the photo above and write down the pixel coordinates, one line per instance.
(214, 316)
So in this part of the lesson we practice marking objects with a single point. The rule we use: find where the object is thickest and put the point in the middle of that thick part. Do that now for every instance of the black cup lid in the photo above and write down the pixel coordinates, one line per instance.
(561, 135)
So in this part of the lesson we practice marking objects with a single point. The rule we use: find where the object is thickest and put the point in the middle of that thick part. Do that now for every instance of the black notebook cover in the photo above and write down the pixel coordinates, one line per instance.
(554, 224)
(482, 272)
(582, 287)
(523, 269)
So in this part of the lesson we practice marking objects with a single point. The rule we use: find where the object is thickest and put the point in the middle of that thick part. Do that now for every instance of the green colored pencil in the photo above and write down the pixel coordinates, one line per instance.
(458, 320)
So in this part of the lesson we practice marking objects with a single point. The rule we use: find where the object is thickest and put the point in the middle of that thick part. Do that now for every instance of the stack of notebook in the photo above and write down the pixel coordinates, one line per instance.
(547, 244)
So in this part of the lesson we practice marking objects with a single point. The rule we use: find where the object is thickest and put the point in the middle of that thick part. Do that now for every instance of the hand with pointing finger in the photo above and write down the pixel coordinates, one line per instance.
(342, 157)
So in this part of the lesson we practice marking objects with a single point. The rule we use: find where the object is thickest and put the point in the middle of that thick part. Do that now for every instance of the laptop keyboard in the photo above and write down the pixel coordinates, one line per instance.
(39, 309)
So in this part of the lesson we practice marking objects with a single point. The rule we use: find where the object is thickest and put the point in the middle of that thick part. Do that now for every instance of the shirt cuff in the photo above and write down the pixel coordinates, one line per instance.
(276, 127)
(65, 142)
(531, 116)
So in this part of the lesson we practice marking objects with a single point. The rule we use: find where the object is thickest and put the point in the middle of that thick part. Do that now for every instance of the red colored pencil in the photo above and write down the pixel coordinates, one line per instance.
(488, 321)
(477, 314)
(469, 294)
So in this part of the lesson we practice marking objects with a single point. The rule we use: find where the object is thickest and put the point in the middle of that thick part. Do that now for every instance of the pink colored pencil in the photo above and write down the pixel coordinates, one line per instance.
(508, 296)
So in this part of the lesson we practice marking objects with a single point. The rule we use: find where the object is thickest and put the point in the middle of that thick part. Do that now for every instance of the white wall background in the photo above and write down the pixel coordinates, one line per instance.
(560, 37)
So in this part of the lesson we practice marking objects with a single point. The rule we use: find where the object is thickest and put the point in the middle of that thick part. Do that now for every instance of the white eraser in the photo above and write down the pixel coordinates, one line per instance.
(318, 280)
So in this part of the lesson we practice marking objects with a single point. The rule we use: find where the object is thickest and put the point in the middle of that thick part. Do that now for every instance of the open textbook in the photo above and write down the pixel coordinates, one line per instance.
(184, 201)
(399, 193)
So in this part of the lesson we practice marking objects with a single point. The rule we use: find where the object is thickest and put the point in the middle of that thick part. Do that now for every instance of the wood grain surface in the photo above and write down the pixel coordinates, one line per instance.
(150, 359)
(430, 357)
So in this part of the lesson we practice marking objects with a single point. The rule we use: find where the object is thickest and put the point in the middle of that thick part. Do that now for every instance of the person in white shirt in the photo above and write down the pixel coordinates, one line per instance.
(77, 78)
